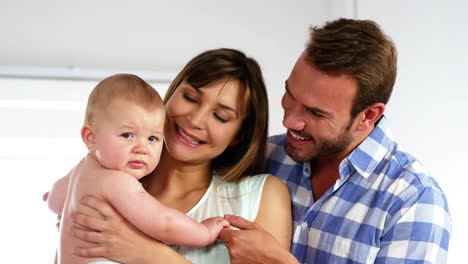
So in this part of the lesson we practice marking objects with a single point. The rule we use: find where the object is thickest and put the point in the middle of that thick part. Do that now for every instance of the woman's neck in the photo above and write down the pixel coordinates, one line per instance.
(175, 178)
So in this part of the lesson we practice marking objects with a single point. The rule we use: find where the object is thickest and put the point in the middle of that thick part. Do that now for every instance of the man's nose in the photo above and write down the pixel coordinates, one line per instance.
(294, 119)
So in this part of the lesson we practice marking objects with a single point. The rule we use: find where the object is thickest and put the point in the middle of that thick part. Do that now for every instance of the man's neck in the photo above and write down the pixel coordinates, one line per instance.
(323, 174)
(326, 170)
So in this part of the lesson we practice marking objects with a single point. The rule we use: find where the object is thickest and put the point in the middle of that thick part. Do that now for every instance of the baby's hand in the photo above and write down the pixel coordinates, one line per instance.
(45, 196)
(214, 226)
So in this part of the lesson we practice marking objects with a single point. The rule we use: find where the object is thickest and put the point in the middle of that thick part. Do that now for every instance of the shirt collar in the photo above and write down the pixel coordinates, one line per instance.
(367, 155)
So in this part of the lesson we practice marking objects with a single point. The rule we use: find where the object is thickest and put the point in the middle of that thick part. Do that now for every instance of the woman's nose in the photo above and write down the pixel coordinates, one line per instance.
(198, 118)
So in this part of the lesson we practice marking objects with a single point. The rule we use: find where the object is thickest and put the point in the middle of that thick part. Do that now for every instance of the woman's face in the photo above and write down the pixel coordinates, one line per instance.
(202, 122)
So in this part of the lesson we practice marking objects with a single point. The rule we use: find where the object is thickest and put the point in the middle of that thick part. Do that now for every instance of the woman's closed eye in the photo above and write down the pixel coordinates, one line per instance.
(220, 118)
(189, 98)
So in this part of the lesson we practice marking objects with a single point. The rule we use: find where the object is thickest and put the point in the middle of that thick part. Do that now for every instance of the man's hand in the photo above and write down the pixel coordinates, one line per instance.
(252, 244)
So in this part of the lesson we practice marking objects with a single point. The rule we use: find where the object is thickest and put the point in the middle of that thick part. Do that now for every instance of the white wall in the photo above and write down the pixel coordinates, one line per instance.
(428, 109)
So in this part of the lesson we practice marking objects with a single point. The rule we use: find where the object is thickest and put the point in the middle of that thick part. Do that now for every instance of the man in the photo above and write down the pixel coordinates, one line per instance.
(356, 196)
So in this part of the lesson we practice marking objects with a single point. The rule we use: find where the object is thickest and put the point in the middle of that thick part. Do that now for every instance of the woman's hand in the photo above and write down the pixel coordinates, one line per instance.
(115, 238)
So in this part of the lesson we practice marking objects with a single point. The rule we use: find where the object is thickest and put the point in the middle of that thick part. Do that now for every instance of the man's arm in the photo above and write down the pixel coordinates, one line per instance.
(57, 195)
(419, 230)
(155, 219)
(268, 239)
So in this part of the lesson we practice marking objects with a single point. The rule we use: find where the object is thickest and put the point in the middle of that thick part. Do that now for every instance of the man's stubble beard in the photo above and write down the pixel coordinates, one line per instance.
(321, 148)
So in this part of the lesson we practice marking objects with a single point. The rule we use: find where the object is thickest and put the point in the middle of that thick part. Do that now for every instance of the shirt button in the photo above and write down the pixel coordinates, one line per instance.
(304, 225)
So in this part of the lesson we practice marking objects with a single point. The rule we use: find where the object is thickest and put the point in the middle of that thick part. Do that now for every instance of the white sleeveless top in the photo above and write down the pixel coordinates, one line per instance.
(242, 199)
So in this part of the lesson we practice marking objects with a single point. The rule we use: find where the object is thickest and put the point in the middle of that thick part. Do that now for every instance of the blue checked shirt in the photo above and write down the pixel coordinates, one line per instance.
(384, 208)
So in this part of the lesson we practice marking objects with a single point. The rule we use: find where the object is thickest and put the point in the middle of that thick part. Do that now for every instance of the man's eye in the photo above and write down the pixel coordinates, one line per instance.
(127, 135)
(153, 139)
(317, 114)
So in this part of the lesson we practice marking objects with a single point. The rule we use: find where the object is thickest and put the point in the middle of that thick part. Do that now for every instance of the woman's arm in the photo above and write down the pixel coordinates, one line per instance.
(115, 238)
(268, 239)
(274, 213)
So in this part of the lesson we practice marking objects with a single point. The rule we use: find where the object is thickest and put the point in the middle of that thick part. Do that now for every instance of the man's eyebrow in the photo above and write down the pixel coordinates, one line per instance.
(311, 109)
(287, 89)
(319, 111)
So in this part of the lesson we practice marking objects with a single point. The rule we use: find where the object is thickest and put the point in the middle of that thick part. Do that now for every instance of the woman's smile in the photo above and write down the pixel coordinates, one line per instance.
(187, 138)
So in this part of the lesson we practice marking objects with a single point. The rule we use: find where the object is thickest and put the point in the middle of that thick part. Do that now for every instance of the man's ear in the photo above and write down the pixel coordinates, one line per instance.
(88, 136)
(369, 116)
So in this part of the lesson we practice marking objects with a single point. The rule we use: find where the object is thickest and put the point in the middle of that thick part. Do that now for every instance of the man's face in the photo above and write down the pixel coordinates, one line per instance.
(317, 112)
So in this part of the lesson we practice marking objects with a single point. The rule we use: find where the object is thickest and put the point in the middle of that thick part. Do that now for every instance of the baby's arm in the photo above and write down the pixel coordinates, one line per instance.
(57, 195)
(157, 220)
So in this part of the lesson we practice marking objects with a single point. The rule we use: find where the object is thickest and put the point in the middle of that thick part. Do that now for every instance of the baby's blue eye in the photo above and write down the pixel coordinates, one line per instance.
(127, 135)
(153, 139)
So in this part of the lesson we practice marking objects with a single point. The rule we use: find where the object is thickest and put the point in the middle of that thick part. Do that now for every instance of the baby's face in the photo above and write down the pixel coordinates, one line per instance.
(129, 138)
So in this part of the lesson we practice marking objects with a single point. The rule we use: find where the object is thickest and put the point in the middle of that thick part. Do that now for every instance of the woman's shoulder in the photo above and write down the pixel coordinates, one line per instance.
(252, 182)
(255, 179)
(274, 187)
(246, 183)
(264, 180)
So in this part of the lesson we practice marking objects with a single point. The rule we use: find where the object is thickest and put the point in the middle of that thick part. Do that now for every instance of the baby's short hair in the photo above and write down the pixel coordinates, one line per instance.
(126, 87)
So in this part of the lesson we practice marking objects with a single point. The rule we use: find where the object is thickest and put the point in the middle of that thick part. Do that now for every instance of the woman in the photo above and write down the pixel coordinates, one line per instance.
(215, 136)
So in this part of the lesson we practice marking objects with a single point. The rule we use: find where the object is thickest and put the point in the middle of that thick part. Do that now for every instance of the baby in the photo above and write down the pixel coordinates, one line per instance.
(123, 132)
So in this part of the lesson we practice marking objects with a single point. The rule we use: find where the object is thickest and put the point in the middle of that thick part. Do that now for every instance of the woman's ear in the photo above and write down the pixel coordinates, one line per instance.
(370, 116)
(236, 140)
(88, 136)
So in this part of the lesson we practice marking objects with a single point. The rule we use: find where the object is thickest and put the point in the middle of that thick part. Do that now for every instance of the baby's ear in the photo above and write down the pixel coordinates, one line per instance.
(88, 136)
